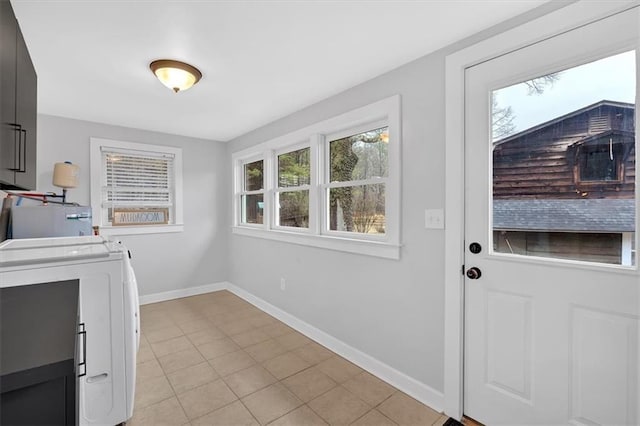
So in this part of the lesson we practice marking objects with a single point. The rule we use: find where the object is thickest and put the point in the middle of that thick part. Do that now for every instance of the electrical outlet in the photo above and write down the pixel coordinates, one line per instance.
(283, 284)
(434, 219)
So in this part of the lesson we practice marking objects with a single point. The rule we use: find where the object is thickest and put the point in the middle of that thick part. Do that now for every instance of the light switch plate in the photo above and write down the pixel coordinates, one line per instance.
(434, 219)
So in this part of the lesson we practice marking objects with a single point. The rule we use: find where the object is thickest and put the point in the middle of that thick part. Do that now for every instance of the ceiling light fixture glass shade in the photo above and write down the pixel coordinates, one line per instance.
(175, 75)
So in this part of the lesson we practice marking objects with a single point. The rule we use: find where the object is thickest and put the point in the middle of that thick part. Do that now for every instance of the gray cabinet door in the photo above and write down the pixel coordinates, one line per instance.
(26, 115)
(8, 134)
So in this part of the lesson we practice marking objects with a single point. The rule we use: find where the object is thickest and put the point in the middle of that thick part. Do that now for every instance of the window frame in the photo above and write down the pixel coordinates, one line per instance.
(327, 185)
(585, 150)
(243, 192)
(383, 113)
(278, 190)
(98, 177)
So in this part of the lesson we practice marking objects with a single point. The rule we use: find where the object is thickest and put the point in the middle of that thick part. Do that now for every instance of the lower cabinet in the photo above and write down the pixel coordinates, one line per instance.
(44, 395)
(38, 334)
(62, 347)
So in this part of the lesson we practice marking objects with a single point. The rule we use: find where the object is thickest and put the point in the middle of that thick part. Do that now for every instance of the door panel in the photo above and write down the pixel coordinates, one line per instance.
(551, 324)
(598, 336)
(509, 321)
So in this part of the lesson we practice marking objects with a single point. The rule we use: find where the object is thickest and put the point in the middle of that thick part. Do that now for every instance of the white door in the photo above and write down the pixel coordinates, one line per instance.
(551, 324)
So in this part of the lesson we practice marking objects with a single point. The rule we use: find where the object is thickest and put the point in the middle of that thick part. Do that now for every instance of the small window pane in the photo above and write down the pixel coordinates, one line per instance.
(294, 209)
(253, 176)
(294, 168)
(253, 208)
(361, 156)
(358, 209)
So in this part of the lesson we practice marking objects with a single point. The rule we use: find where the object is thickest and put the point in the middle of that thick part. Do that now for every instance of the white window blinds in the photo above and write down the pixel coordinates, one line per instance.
(137, 179)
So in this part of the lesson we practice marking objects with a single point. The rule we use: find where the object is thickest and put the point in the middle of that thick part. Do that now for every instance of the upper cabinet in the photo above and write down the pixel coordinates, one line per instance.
(18, 105)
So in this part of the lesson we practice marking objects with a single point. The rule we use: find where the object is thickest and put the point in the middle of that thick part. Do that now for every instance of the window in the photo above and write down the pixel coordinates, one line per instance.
(253, 192)
(604, 158)
(334, 184)
(292, 194)
(358, 170)
(600, 163)
(135, 188)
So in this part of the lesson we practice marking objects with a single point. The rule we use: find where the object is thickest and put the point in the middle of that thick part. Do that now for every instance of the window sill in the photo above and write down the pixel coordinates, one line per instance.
(365, 247)
(137, 230)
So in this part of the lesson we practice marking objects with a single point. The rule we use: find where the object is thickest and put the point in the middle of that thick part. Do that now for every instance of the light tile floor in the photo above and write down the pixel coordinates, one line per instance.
(215, 359)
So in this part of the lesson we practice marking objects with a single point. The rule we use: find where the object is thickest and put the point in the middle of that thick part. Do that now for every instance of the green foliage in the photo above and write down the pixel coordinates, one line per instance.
(294, 168)
(253, 174)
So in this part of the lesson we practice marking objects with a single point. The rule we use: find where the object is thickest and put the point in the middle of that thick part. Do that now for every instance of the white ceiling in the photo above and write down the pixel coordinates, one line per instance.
(260, 60)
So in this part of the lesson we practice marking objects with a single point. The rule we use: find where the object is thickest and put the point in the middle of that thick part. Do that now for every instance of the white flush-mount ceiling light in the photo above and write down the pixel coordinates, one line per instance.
(176, 75)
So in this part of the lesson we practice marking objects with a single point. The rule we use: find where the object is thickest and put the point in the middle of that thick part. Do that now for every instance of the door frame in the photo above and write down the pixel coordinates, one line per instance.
(553, 18)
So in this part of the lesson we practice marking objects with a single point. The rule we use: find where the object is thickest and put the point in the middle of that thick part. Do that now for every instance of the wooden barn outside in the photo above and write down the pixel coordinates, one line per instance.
(566, 188)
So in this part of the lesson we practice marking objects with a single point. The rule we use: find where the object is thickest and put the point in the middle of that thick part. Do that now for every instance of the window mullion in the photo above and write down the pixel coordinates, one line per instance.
(382, 180)
(258, 191)
(292, 188)
(270, 178)
(317, 213)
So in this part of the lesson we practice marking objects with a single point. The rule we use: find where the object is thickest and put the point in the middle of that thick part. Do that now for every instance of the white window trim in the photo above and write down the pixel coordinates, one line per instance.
(384, 112)
(96, 187)
(241, 191)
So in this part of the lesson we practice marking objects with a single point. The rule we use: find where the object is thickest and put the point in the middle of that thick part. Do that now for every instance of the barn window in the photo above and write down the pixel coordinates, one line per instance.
(601, 162)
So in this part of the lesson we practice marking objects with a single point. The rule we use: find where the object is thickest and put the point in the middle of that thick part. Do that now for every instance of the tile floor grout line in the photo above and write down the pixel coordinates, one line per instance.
(315, 412)
(231, 309)
(208, 412)
(249, 411)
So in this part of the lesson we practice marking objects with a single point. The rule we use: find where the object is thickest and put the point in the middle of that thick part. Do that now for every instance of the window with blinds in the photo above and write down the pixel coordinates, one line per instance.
(138, 181)
(138, 185)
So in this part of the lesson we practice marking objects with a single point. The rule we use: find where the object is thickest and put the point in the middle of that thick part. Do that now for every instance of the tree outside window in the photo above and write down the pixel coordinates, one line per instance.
(359, 166)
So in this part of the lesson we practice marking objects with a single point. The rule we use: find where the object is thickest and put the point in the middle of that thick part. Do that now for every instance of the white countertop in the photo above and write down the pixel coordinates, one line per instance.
(34, 251)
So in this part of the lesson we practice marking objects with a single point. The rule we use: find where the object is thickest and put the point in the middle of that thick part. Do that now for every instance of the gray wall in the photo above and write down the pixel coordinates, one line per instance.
(391, 310)
(162, 262)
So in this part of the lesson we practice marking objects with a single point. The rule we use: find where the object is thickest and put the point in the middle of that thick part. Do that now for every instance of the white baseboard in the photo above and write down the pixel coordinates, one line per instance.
(406, 384)
(183, 292)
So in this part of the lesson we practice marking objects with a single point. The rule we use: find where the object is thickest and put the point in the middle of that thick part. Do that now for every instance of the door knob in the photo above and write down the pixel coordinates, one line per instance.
(474, 273)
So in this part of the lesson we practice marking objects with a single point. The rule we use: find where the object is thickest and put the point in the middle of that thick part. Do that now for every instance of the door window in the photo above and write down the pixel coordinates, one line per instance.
(564, 163)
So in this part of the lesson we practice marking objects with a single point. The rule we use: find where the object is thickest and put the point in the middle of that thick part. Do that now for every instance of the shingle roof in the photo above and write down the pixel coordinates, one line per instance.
(563, 117)
(601, 215)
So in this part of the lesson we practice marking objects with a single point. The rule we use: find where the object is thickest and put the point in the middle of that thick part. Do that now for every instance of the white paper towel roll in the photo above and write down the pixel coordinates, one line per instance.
(65, 175)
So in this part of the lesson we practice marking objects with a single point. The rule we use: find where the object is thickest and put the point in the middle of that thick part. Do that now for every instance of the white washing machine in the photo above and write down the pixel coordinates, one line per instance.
(108, 310)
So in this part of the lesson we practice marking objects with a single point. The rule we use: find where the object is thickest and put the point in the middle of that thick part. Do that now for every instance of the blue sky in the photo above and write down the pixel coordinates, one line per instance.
(612, 78)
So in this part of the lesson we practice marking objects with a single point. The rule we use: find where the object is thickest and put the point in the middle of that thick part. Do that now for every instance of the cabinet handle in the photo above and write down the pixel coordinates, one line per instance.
(23, 150)
(97, 378)
(83, 333)
(17, 128)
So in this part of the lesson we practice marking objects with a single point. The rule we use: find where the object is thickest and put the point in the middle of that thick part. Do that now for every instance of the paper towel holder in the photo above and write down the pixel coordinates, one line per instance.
(65, 176)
